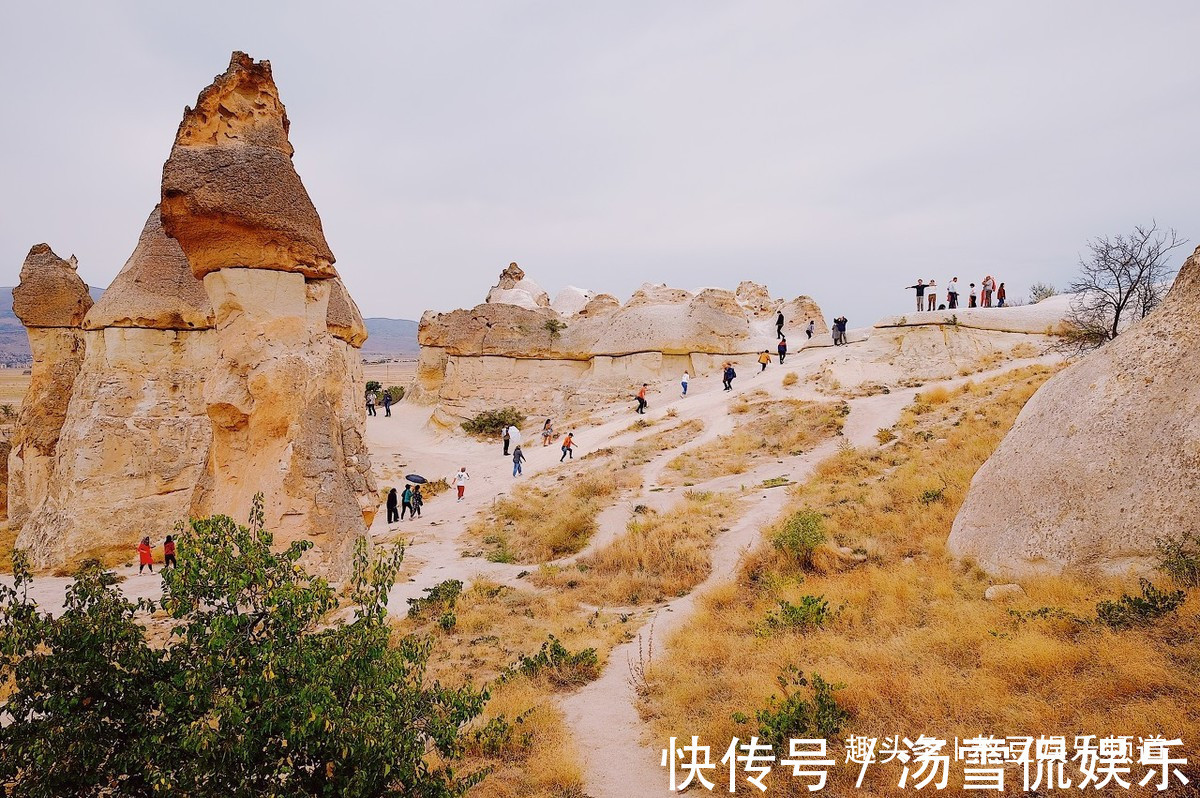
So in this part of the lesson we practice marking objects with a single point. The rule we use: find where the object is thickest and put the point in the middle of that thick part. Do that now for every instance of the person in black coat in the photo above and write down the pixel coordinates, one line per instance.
(393, 513)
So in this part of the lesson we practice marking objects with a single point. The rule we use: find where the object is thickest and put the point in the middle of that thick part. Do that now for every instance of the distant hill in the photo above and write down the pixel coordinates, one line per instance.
(389, 338)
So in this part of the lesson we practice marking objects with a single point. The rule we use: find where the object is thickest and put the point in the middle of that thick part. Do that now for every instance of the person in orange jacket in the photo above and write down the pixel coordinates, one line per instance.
(145, 555)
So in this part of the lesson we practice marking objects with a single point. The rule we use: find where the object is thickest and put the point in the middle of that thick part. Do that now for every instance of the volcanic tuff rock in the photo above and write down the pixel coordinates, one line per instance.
(1102, 460)
(230, 195)
(51, 302)
(221, 363)
(516, 348)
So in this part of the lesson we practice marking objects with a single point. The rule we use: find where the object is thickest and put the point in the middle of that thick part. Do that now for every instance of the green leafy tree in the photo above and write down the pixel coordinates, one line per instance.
(257, 691)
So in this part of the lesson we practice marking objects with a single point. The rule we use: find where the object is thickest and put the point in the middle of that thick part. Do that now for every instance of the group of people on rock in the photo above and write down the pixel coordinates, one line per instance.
(990, 294)
(145, 551)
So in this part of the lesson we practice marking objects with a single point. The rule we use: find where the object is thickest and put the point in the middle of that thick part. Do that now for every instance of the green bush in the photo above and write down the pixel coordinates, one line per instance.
(811, 613)
(396, 392)
(560, 666)
(440, 598)
(1140, 610)
(814, 715)
(255, 691)
(1180, 558)
(800, 535)
(491, 423)
(372, 385)
(500, 739)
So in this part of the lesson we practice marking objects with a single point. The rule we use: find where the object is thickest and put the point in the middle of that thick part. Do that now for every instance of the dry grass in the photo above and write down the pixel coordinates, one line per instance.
(538, 523)
(8, 541)
(772, 429)
(661, 555)
(495, 626)
(918, 648)
(1024, 350)
(790, 379)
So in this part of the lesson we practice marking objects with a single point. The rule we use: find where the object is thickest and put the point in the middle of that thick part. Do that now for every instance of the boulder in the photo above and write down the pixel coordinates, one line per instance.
(572, 300)
(1004, 592)
(230, 194)
(514, 288)
(50, 293)
(1102, 460)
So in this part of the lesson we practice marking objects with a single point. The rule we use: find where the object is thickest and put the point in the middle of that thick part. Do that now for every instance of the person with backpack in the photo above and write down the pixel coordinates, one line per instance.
(393, 513)
(145, 555)
(568, 447)
(406, 505)
(763, 360)
(518, 458)
(641, 400)
(782, 350)
(169, 553)
(728, 376)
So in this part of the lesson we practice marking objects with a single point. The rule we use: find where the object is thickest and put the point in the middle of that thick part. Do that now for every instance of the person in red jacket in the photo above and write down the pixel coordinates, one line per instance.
(145, 555)
(169, 552)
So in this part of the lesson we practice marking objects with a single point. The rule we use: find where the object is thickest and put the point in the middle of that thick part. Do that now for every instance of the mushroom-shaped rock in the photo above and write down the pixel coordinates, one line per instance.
(50, 293)
(155, 289)
(230, 194)
(514, 288)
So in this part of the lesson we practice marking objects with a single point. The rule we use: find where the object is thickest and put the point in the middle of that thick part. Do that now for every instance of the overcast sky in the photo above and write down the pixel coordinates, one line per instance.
(835, 149)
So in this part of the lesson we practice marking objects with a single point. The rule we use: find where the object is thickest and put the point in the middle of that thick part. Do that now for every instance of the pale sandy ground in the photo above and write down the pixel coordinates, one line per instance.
(618, 758)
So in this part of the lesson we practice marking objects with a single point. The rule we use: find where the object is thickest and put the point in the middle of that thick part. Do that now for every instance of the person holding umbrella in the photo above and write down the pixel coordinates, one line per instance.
(417, 501)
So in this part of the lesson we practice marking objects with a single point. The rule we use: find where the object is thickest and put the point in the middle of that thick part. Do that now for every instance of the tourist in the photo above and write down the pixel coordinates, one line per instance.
(393, 514)
(985, 291)
(782, 350)
(728, 376)
(568, 447)
(764, 359)
(684, 383)
(931, 294)
(952, 293)
(920, 286)
(406, 505)
(169, 553)
(547, 433)
(145, 555)
(507, 440)
(779, 325)
(387, 404)
(1000, 296)
(810, 329)
(839, 331)
(417, 501)
(518, 458)
(641, 400)
(971, 297)
(370, 403)
(459, 481)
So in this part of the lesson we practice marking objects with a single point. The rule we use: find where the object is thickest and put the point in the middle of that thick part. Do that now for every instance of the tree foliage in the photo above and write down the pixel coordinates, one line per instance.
(1121, 280)
(257, 691)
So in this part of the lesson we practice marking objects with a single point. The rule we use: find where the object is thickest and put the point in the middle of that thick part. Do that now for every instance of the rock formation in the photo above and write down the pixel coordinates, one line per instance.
(283, 392)
(517, 348)
(1102, 460)
(136, 439)
(50, 301)
(222, 362)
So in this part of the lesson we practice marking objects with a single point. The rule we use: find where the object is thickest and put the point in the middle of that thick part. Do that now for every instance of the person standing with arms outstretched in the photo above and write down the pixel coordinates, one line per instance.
(145, 555)
(568, 447)
(920, 286)
(641, 400)
(459, 480)
(779, 325)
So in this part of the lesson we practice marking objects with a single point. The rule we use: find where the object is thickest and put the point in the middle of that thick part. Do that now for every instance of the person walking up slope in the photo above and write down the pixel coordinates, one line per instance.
(684, 383)
(459, 480)
(568, 447)
(728, 376)
(763, 360)
(779, 325)
(641, 400)
(782, 350)
(518, 458)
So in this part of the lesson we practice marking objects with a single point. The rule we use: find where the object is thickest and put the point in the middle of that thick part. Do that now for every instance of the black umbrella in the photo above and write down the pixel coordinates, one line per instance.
(416, 479)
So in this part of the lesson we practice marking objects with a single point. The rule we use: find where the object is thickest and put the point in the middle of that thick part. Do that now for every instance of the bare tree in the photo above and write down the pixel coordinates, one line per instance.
(1040, 291)
(1122, 279)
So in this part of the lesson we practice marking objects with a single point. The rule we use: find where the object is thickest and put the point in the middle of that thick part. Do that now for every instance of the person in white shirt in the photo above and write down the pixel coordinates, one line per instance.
(952, 294)
(684, 383)
(459, 480)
